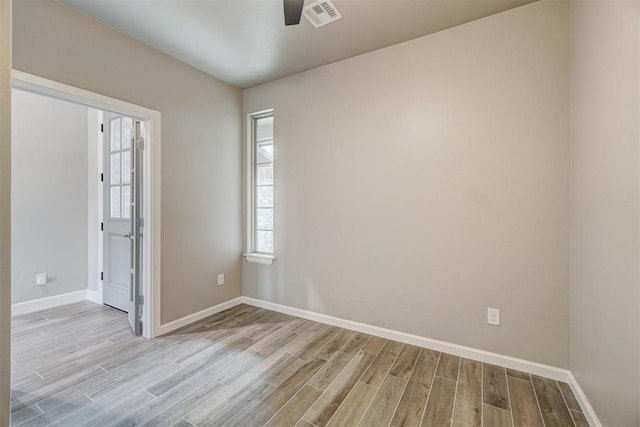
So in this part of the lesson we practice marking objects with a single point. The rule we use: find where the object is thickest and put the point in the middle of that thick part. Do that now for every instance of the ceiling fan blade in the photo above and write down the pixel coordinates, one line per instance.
(292, 11)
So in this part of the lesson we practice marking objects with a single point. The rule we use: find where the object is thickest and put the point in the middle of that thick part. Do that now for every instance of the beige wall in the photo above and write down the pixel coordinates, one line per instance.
(48, 196)
(201, 153)
(420, 184)
(605, 299)
(5, 211)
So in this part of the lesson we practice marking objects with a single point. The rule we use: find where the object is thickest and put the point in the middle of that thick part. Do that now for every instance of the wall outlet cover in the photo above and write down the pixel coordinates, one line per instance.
(220, 279)
(493, 316)
(41, 279)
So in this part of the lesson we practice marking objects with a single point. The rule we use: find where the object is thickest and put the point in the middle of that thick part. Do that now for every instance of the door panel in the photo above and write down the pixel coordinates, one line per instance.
(119, 249)
(117, 203)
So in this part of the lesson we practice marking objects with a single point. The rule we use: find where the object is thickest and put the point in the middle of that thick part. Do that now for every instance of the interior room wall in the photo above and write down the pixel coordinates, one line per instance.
(48, 196)
(5, 212)
(605, 221)
(201, 151)
(420, 184)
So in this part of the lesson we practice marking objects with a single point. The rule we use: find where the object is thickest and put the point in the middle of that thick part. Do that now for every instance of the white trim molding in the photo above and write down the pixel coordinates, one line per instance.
(192, 318)
(94, 296)
(250, 158)
(48, 302)
(152, 161)
(523, 365)
(442, 346)
(586, 407)
(262, 259)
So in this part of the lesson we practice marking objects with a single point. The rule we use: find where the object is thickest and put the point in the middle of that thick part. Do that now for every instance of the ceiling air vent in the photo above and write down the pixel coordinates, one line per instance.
(321, 13)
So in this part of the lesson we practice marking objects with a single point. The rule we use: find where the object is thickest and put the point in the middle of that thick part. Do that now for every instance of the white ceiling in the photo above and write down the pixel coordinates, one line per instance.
(245, 42)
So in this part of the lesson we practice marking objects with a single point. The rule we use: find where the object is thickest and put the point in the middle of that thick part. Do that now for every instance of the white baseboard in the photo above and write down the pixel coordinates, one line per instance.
(47, 302)
(184, 321)
(587, 410)
(442, 346)
(94, 296)
(523, 365)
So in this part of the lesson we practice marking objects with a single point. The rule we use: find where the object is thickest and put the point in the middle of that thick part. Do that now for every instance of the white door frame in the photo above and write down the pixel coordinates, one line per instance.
(95, 206)
(151, 175)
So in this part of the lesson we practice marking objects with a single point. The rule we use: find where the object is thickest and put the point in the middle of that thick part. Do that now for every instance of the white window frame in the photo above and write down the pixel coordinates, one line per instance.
(252, 255)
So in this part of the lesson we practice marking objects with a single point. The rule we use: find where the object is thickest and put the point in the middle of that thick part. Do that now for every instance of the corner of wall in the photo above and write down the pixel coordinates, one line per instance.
(5, 211)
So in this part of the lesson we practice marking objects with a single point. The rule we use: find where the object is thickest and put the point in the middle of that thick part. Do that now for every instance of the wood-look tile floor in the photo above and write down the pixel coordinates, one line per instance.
(79, 365)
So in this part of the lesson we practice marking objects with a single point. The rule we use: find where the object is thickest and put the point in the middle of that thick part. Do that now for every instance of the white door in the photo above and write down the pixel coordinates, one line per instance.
(120, 230)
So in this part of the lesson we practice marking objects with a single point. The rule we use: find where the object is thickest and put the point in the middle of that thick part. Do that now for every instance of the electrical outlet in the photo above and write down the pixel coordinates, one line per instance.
(493, 316)
(41, 279)
(220, 279)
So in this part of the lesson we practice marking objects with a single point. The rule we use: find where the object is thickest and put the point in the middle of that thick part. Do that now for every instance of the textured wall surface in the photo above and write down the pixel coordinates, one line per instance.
(605, 216)
(420, 184)
(201, 150)
(48, 196)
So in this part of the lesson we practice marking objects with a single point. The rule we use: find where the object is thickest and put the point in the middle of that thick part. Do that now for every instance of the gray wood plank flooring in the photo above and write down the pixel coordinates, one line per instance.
(79, 365)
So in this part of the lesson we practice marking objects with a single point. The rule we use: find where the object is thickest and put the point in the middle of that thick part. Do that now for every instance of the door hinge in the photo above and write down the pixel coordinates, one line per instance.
(102, 226)
(102, 275)
(140, 299)
(140, 222)
(101, 177)
(140, 144)
(101, 127)
(139, 331)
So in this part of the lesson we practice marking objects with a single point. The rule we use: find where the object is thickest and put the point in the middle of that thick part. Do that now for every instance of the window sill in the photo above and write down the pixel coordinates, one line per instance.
(259, 259)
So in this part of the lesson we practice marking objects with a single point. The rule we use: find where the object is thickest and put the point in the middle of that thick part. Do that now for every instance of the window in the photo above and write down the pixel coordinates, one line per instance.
(261, 208)
(121, 132)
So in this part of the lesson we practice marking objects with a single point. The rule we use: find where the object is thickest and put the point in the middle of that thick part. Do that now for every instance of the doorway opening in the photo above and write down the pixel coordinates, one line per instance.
(126, 189)
(120, 206)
